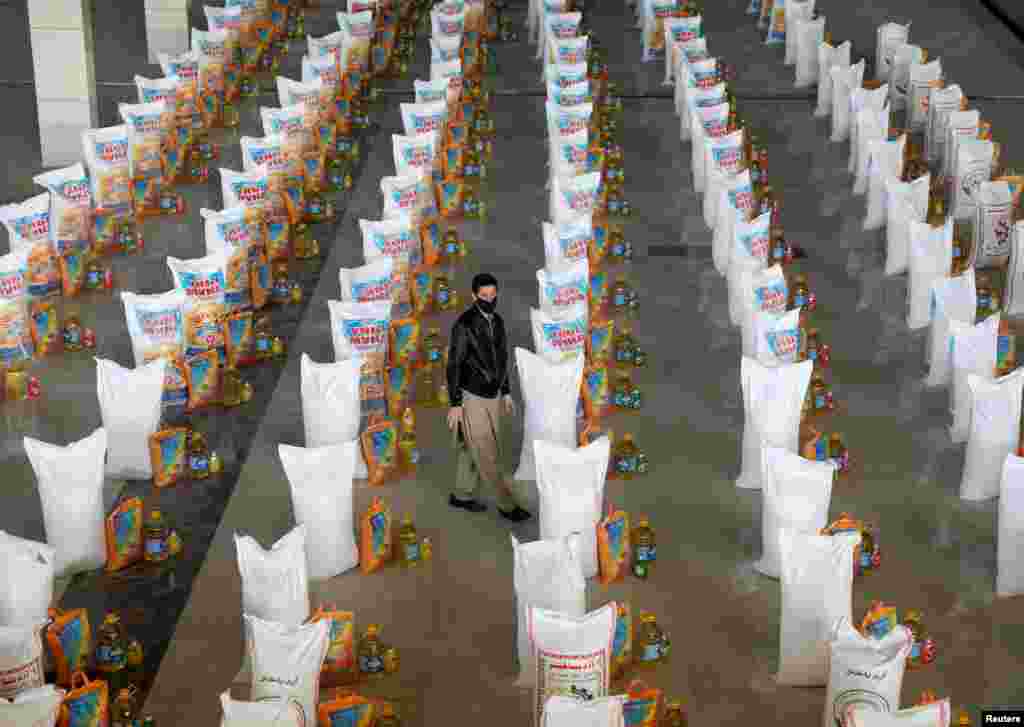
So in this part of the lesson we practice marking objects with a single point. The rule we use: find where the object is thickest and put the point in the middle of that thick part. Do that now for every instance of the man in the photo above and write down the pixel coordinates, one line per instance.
(479, 390)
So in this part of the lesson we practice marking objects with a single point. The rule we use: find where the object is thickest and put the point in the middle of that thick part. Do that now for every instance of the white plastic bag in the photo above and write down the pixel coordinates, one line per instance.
(360, 331)
(575, 196)
(809, 34)
(550, 395)
(959, 125)
(931, 258)
(796, 12)
(560, 335)
(1010, 529)
(268, 712)
(953, 299)
(885, 161)
(563, 286)
(905, 202)
(130, 406)
(736, 204)
(409, 194)
(330, 404)
(1013, 298)
(778, 337)
(416, 155)
(762, 291)
(370, 283)
(424, 119)
(21, 659)
(430, 91)
(866, 104)
(795, 497)
(941, 103)
(749, 255)
(709, 121)
(816, 574)
(923, 78)
(321, 486)
(888, 37)
(974, 352)
(28, 568)
(286, 661)
(844, 80)
(237, 234)
(567, 243)
(28, 233)
(935, 714)
(904, 57)
(70, 483)
(869, 126)
(547, 574)
(562, 711)
(992, 225)
(38, 707)
(275, 582)
(995, 432)
(772, 401)
(974, 160)
(828, 58)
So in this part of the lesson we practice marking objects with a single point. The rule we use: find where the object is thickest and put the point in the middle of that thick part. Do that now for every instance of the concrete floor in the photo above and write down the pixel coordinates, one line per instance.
(454, 622)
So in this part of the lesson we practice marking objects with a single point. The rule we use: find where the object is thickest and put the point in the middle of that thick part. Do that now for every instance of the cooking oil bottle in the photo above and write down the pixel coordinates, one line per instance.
(263, 337)
(675, 714)
(426, 385)
(626, 457)
(622, 294)
(443, 293)
(198, 456)
(799, 292)
(654, 643)
(432, 345)
(625, 345)
(387, 717)
(122, 711)
(644, 548)
(111, 653)
(410, 543)
(371, 653)
(231, 387)
(73, 334)
(410, 454)
(154, 537)
(819, 392)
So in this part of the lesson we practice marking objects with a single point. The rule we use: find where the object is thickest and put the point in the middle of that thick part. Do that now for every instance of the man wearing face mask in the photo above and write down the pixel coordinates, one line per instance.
(479, 389)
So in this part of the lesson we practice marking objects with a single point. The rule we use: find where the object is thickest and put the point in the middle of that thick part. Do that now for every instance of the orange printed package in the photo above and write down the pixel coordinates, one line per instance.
(596, 392)
(259, 280)
(641, 706)
(351, 711)
(124, 534)
(399, 381)
(597, 245)
(240, 339)
(422, 284)
(404, 343)
(72, 271)
(69, 637)
(622, 638)
(380, 449)
(599, 342)
(430, 238)
(450, 197)
(46, 328)
(454, 161)
(168, 453)
(375, 537)
(613, 546)
(86, 703)
(340, 662)
(202, 372)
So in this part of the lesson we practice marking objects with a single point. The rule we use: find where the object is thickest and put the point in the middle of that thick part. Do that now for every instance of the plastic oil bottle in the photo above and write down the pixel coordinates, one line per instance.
(410, 543)
(410, 453)
(799, 292)
(443, 293)
(622, 393)
(432, 346)
(198, 456)
(122, 711)
(154, 537)
(675, 714)
(622, 294)
(231, 387)
(371, 653)
(644, 548)
(654, 644)
(426, 385)
(625, 457)
(819, 392)
(625, 345)
(111, 653)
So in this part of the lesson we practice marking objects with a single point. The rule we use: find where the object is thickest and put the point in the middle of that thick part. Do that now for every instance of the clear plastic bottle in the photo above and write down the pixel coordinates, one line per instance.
(626, 456)
(111, 652)
(653, 642)
(155, 538)
(407, 446)
(371, 653)
(644, 547)
(410, 543)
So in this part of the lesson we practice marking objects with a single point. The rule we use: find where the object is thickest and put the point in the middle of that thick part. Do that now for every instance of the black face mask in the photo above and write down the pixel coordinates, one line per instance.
(487, 306)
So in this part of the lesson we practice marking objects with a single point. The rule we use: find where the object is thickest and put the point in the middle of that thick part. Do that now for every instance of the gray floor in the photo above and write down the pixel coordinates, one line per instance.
(454, 622)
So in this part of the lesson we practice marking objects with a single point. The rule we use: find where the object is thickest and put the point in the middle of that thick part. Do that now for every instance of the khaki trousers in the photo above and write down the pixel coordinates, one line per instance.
(478, 457)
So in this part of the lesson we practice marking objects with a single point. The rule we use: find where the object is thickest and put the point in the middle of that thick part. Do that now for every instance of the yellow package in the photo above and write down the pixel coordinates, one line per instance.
(203, 375)
(622, 639)
(375, 539)
(168, 453)
(600, 341)
(380, 449)
(597, 247)
(641, 706)
(613, 546)
(70, 640)
(46, 328)
(399, 381)
(340, 661)
(596, 392)
(239, 339)
(430, 238)
(404, 347)
(259, 280)
(124, 534)
(72, 271)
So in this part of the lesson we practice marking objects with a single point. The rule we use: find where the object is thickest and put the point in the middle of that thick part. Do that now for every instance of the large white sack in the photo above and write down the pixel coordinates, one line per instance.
(130, 406)
(573, 654)
(885, 161)
(993, 219)
(995, 433)
(761, 291)
(887, 38)
(875, 101)
(935, 714)
(795, 12)
(1010, 529)
(39, 707)
(286, 661)
(960, 126)
(270, 712)
(570, 485)
(778, 337)
(972, 165)
(865, 671)
(21, 659)
(870, 125)
(844, 80)
(795, 496)
(931, 260)
(905, 201)
(546, 574)
(562, 711)
(321, 486)
(923, 78)
(550, 397)
(736, 204)
(974, 348)
(953, 299)
(1013, 298)
(828, 58)
(816, 574)
(722, 159)
(749, 255)
(70, 483)
(28, 569)
(275, 582)
(809, 35)
(904, 56)
(330, 405)
(772, 400)
(941, 103)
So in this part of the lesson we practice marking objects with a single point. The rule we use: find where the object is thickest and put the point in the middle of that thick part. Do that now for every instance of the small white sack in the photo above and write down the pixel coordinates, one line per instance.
(567, 243)
(562, 286)
(321, 486)
(865, 671)
(749, 256)
(763, 291)
(885, 162)
(370, 283)
(816, 574)
(974, 350)
(778, 337)
(960, 125)
(829, 57)
(931, 258)
(723, 158)
(974, 160)
(772, 401)
(995, 433)
(810, 35)
(275, 582)
(130, 406)
(795, 497)
(560, 335)
(547, 574)
(736, 204)
(953, 299)
(1013, 298)
(905, 202)
(562, 711)
(796, 11)
(923, 78)
(550, 396)
(992, 225)
(28, 568)
(270, 712)
(286, 661)
(941, 103)
(935, 714)
(330, 405)
(904, 57)
(864, 104)
(21, 659)
(70, 481)
(844, 80)
(1010, 529)
(39, 707)
(888, 37)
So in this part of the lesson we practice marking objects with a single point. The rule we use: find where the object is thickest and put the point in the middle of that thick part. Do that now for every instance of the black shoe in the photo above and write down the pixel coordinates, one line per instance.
(516, 514)
(470, 505)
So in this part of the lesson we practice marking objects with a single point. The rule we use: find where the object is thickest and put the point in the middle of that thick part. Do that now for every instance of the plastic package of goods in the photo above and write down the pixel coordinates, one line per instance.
(155, 90)
(829, 57)
(275, 582)
(923, 78)
(567, 121)
(961, 125)
(409, 194)
(875, 101)
(885, 162)
(331, 45)
(321, 486)
(424, 119)
(321, 85)
(795, 11)
(904, 57)
(888, 37)
(360, 331)
(561, 711)
(238, 234)
(213, 51)
(430, 91)
(795, 497)
(994, 433)
(357, 36)
(28, 230)
(575, 95)
(286, 661)
(149, 126)
(941, 103)
(772, 402)
(130, 406)
(723, 157)
(1013, 297)
(558, 26)
(864, 671)
(547, 574)
(37, 707)
(931, 257)
(693, 55)
(1010, 536)
(573, 654)
(445, 49)
(29, 568)
(816, 574)
(416, 154)
(953, 299)
(776, 24)
(992, 223)
(70, 481)
(763, 291)
(974, 349)
(451, 72)
(269, 712)
(569, 155)
(569, 51)
(905, 201)
(156, 324)
(934, 714)
(560, 335)
(709, 121)
(203, 282)
(653, 39)
(248, 189)
(21, 659)
(310, 93)
(809, 34)
(16, 342)
(71, 227)
(778, 337)
(397, 239)
(297, 127)
(370, 283)
(105, 152)
(868, 126)
(677, 32)
(229, 21)
(736, 204)
(574, 196)
(749, 255)
(550, 395)
(330, 405)
(564, 286)
(567, 242)
(844, 80)
(443, 24)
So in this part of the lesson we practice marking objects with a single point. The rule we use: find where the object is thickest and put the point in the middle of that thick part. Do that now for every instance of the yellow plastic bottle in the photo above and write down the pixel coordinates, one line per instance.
(410, 453)
(155, 538)
(625, 457)
(409, 542)
(263, 338)
(198, 456)
(432, 347)
(371, 653)
(231, 387)
(625, 345)
(644, 547)
(653, 642)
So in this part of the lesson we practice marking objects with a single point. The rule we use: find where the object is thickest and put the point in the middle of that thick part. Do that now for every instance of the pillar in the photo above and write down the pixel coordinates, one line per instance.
(167, 28)
(62, 54)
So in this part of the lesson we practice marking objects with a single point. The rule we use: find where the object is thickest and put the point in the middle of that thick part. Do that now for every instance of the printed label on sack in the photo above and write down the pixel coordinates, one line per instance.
(771, 298)
(366, 335)
(995, 230)
(860, 698)
(784, 343)
(580, 677)
(374, 290)
(565, 338)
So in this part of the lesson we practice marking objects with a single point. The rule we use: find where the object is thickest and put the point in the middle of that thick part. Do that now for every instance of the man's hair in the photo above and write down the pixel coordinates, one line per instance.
(482, 280)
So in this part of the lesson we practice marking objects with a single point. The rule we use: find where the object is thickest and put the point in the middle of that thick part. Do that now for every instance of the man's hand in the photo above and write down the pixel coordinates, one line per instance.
(509, 404)
(454, 417)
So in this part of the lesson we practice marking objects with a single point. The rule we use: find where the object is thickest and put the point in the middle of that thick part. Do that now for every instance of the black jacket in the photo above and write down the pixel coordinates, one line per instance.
(477, 357)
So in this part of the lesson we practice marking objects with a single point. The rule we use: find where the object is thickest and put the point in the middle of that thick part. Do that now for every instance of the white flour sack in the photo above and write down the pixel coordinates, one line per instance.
(870, 121)
(275, 582)
(697, 98)
(564, 286)
(29, 570)
(677, 32)
(992, 225)
(931, 257)
(735, 204)
(410, 195)
(959, 125)
(995, 433)
(905, 201)
(795, 495)
(885, 161)
(321, 484)
(904, 57)
(567, 243)
(816, 574)
(795, 12)
(560, 335)
(935, 714)
(923, 78)
(809, 35)
(130, 405)
(286, 661)
(330, 405)
(570, 483)
(887, 38)
(778, 337)
(39, 707)
(21, 659)
(749, 255)
(864, 671)
(70, 481)
(974, 352)
(1013, 299)
(573, 654)
(953, 299)
(772, 400)
(547, 574)
(941, 103)
(844, 80)
(550, 395)
(723, 158)
(706, 122)
(416, 154)
(370, 283)
(574, 196)
(763, 291)
(1010, 534)
(270, 712)
(974, 159)
(829, 57)
(571, 712)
